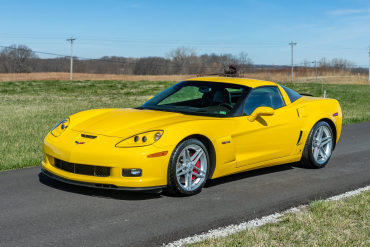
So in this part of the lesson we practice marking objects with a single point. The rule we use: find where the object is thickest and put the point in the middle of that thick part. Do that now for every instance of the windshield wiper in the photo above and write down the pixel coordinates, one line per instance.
(140, 108)
(166, 110)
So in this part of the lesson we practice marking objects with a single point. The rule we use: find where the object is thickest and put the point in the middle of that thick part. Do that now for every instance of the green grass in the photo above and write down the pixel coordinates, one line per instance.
(28, 110)
(324, 223)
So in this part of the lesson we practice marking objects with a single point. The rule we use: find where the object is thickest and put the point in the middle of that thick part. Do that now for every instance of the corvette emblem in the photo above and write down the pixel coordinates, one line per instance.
(77, 142)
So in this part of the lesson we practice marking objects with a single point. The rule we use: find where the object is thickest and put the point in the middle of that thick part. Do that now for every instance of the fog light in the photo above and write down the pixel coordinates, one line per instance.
(131, 172)
(136, 172)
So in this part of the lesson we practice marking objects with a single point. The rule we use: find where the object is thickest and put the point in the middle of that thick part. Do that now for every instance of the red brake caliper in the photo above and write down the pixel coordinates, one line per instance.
(194, 170)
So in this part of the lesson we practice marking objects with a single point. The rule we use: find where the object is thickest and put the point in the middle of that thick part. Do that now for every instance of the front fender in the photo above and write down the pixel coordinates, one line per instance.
(218, 131)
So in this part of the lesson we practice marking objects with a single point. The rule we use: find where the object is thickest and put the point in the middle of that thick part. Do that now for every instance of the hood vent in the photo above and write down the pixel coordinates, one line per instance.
(88, 136)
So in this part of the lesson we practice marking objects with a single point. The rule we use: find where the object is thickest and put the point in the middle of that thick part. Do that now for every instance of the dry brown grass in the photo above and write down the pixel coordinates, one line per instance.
(300, 76)
(62, 76)
(328, 77)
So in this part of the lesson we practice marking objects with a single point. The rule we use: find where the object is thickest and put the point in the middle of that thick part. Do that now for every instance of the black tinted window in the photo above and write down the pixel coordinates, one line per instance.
(199, 98)
(293, 95)
(263, 96)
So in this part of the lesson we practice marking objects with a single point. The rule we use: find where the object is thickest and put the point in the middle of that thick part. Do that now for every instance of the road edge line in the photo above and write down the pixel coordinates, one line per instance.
(272, 218)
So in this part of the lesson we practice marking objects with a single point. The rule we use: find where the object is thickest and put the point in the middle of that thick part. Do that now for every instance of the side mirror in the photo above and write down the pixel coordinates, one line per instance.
(150, 98)
(261, 111)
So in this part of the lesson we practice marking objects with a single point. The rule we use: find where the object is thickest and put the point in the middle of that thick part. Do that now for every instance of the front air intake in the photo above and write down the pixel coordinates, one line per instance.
(97, 171)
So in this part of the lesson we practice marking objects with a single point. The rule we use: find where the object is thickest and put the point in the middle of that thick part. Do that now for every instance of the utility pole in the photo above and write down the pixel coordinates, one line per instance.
(292, 44)
(71, 40)
(315, 70)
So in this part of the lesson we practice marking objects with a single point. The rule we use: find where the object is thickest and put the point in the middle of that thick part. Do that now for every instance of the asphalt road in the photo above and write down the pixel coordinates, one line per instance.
(38, 211)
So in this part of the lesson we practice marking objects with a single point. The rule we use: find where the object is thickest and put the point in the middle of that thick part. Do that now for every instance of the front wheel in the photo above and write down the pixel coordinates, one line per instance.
(188, 168)
(319, 146)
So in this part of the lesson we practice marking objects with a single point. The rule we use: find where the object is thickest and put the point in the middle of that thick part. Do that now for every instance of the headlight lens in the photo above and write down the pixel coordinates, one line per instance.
(60, 127)
(139, 140)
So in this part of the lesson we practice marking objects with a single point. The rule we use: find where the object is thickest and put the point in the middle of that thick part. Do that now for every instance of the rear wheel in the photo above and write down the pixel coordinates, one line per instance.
(188, 168)
(319, 146)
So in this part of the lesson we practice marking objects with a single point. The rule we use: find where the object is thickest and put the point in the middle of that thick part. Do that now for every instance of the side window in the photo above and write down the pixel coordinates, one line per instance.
(293, 95)
(263, 96)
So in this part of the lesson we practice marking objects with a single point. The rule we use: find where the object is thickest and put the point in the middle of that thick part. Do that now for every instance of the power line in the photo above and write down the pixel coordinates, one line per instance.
(143, 40)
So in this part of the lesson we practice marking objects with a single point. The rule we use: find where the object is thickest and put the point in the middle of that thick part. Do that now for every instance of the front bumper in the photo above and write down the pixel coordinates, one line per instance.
(102, 152)
(100, 186)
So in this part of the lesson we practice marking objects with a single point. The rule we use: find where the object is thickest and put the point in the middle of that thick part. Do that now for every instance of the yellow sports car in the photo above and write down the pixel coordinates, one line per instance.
(198, 129)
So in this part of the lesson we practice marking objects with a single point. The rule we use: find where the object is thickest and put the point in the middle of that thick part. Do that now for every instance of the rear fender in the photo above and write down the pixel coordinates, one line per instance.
(315, 112)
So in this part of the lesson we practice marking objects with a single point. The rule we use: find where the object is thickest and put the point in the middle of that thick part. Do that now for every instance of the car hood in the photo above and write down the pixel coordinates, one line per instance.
(127, 122)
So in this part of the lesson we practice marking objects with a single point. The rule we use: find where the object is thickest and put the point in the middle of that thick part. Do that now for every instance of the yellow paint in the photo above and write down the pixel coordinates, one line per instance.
(260, 112)
(268, 140)
(303, 111)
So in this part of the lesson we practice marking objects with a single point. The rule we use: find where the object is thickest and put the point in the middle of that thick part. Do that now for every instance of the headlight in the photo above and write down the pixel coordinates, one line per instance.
(60, 127)
(139, 140)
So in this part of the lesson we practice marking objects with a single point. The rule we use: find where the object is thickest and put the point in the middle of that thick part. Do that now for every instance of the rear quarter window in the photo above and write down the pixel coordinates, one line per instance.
(293, 95)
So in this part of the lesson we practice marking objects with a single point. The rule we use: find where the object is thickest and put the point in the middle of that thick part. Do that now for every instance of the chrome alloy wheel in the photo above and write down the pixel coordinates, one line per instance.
(191, 167)
(322, 145)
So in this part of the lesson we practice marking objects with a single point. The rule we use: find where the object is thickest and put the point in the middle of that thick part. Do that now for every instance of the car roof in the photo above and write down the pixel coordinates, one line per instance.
(240, 81)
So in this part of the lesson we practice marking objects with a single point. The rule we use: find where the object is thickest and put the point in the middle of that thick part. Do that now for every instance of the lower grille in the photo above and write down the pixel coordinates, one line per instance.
(97, 171)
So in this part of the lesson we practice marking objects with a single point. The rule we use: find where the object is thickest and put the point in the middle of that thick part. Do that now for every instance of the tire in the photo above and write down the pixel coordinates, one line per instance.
(320, 140)
(193, 172)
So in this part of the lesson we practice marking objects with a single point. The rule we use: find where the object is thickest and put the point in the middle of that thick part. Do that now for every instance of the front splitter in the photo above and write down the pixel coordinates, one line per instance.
(101, 186)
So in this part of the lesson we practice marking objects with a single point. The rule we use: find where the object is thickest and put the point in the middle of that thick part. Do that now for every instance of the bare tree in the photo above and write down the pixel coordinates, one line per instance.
(17, 59)
(244, 62)
(306, 63)
(341, 63)
(152, 66)
(324, 62)
(184, 58)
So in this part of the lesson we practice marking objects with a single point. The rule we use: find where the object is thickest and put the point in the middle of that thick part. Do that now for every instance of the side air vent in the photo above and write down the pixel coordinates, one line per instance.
(88, 136)
(300, 136)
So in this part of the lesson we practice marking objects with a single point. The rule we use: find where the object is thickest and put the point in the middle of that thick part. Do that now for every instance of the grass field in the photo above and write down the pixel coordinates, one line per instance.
(323, 223)
(30, 109)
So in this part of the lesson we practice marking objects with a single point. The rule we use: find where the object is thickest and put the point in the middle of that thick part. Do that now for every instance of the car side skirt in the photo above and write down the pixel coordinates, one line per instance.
(230, 168)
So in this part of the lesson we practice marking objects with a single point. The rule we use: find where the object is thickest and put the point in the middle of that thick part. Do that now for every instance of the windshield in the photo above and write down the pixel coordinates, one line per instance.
(199, 98)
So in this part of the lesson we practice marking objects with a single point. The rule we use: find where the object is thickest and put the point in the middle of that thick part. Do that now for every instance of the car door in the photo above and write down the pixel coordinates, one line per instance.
(268, 137)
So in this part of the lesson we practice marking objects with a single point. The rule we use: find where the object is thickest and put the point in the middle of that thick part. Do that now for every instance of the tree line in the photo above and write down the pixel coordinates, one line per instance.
(181, 60)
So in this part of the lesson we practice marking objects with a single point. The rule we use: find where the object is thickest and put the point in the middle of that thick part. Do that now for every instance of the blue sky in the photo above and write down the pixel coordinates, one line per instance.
(263, 29)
